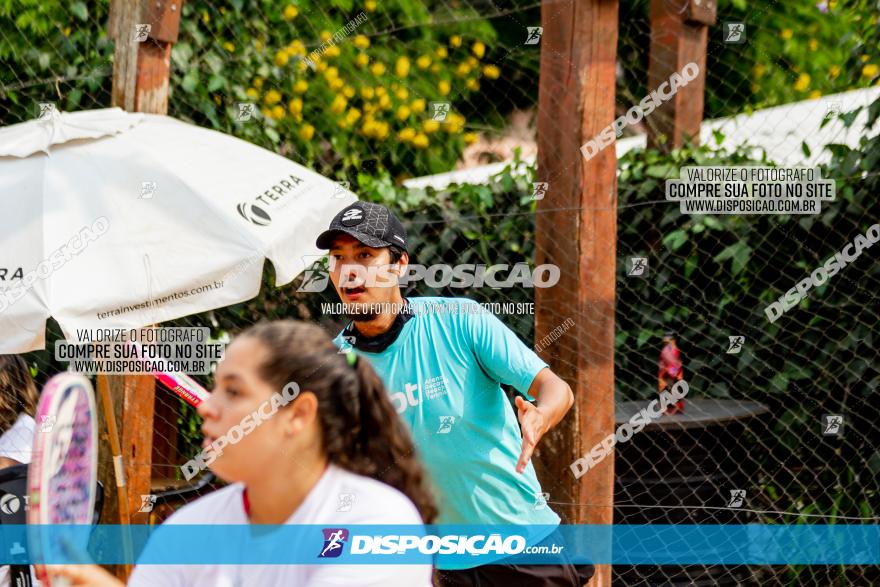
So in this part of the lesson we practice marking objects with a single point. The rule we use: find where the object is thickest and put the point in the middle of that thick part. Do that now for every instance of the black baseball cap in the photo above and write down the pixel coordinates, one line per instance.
(372, 224)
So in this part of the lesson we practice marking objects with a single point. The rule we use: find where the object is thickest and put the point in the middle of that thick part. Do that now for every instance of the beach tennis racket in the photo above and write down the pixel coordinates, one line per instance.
(63, 471)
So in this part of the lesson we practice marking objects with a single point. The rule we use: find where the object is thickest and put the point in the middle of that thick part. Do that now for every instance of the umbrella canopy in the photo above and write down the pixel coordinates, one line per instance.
(118, 220)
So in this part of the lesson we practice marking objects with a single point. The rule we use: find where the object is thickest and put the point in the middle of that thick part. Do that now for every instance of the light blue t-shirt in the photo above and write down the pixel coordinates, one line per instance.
(443, 375)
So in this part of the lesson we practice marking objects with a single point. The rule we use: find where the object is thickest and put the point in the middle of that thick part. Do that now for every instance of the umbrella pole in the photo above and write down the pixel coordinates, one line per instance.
(118, 466)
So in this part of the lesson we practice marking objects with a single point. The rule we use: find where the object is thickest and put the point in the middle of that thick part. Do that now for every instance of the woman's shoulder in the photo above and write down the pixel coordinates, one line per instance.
(223, 506)
(368, 501)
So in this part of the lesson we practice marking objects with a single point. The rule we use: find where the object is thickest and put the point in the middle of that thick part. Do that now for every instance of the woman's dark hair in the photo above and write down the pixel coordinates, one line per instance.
(361, 430)
(18, 392)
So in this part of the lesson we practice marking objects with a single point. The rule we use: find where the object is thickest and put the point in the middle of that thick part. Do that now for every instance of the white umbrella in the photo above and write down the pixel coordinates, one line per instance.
(117, 220)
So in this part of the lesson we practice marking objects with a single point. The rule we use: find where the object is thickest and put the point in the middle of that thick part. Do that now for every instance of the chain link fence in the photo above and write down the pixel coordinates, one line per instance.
(780, 423)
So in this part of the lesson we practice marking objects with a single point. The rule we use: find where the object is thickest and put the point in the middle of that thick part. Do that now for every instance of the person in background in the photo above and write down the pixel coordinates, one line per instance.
(443, 361)
(18, 402)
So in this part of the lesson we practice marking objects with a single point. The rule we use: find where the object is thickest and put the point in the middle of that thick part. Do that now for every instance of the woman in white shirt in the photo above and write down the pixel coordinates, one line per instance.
(338, 436)
(18, 402)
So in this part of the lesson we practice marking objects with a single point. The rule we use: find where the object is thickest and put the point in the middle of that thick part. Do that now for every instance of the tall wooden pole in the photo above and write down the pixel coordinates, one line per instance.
(576, 229)
(679, 35)
(141, 69)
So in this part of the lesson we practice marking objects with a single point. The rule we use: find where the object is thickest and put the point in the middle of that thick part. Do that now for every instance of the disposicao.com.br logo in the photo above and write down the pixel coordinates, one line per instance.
(394, 544)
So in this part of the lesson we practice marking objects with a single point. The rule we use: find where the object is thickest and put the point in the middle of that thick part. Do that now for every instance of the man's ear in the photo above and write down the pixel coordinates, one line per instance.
(402, 264)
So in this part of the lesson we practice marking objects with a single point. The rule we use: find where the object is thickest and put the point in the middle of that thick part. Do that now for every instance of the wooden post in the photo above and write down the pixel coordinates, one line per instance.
(141, 68)
(679, 35)
(576, 229)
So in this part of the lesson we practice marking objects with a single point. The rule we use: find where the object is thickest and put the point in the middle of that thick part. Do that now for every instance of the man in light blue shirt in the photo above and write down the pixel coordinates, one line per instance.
(443, 361)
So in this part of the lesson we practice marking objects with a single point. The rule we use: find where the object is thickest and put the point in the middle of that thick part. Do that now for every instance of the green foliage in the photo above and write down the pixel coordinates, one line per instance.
(363, 104)
(793, 51)
(72, 47)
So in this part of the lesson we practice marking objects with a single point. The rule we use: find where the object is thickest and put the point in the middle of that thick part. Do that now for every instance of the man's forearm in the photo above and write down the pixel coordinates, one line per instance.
(553, 395)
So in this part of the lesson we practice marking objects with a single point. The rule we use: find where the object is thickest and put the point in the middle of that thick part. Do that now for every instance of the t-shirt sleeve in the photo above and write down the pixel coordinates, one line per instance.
(500, 352)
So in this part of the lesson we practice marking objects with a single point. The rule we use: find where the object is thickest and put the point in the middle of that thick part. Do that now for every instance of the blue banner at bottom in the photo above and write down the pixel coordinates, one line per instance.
(448, 546)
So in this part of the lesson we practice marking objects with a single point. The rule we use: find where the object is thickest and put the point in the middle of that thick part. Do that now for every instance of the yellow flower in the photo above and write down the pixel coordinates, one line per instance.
(272, 97)
(491, 71)
(361, 60)
(462, 70)
(381, 91)
(343, 123)
(378, 68)
(384, 102)
(337, 84)
(401, 68)
(382, 130)
(258, 45)
(252, 93)
(421, 141)
(258, 82)
(300, 86)
(403, 112)
(407, 134)
(217, 100)
(206, 18)
(229, 47)
(332, 73)
(443, 87)
(307, 132)
(222, 10)
(478, 49)
(352, 115)
(402, 94)
(348, 92)
(758, 70)
(441, 52)
(277, 112)
(870, 70)
(814, 94)
(470, 138)
(296, 47)
(370, 6)
(295, 106)
(281, 58)
(786, 34)
(418, 105)
(813, 44)
(472, 84)
(361, 42)
(332, 51)
(863, 58)
(435, 68)
(472, 62)
(321, 66)
(802, 83)
(66, 31)
(338, 105)
(325, 36)
(423, 62)
(834, 71)
(266, 112)
(430, 126)
(455, 41)
(290, 12)
(367, 93)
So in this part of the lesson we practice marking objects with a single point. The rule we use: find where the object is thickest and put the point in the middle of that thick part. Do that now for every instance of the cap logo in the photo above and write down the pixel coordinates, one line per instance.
(398, 238)
(352, 216)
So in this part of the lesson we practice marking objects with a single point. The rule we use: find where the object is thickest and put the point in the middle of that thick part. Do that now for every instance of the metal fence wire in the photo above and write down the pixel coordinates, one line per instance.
(781, 421)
